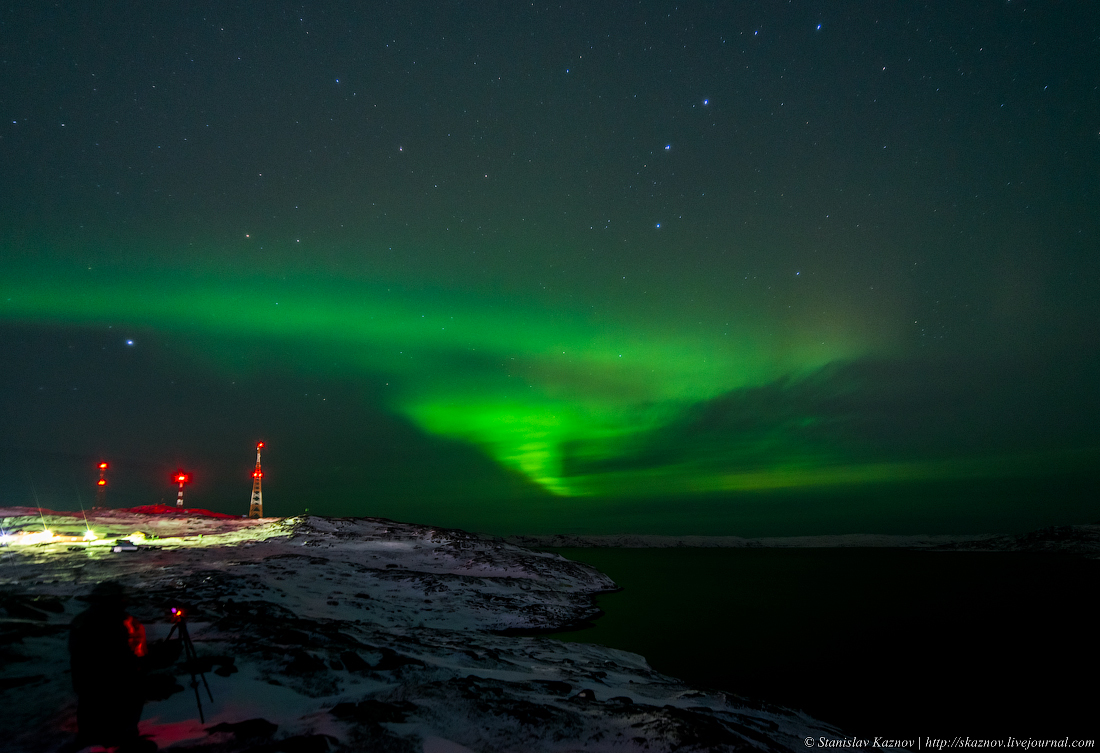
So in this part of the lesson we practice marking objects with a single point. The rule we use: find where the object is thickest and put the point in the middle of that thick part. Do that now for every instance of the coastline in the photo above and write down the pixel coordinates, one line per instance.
(876, 640)
(347, 634)
(1083, 540)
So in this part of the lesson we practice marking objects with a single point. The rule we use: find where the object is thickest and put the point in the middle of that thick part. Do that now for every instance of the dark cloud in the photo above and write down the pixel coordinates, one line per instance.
(881, 410)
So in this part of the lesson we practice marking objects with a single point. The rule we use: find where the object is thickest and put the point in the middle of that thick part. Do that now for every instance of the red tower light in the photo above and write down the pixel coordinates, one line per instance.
(181, 478)
(101, 491)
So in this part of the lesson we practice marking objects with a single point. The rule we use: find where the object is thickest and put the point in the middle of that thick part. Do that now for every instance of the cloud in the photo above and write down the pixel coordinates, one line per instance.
(865, 420)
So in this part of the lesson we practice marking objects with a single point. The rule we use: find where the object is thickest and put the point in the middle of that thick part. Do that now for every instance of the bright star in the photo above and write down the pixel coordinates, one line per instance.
(129, 342)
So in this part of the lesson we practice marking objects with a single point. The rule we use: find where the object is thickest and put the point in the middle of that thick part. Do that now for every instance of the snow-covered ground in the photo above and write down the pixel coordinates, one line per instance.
(350, 634)
(650, 541)
(1080, 540)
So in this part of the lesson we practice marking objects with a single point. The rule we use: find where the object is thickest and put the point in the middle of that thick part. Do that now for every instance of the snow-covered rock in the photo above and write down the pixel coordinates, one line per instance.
(350, 634)
(1080, 540)
(653, 541)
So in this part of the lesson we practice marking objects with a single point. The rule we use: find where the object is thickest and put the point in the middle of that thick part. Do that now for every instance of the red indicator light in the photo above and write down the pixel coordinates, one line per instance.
(261, 444)
(102, 466)
(102, 482)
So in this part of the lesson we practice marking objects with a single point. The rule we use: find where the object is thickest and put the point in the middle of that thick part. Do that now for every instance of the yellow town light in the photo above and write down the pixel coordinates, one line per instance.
(38, 537)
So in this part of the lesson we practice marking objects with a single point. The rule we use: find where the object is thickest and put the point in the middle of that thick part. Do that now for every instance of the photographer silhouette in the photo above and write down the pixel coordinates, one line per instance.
(108, 652)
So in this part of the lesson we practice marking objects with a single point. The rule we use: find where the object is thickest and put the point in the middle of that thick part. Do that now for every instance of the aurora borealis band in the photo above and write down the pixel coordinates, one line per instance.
(558, 268)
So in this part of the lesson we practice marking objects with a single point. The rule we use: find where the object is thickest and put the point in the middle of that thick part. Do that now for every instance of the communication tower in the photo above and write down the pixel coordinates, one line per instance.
(101, 488)
(181, 478)
(256, 509)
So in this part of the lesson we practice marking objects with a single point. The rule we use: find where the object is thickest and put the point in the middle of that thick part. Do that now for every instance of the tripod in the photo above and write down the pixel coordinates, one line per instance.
(191, 660)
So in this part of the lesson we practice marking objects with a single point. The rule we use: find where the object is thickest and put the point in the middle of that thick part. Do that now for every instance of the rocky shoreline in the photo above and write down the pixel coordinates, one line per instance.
(1082, 540)
(350, 634)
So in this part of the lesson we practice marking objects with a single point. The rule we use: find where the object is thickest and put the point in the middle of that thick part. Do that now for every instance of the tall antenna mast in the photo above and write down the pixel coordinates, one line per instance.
(256, 509)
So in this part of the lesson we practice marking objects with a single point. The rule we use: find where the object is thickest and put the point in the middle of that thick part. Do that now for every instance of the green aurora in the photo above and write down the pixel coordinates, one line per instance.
(647, 267)
(549, 393)
(520, 382)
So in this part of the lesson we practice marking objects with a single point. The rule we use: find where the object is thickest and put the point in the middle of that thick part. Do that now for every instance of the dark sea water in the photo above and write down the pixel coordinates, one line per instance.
(884, 642)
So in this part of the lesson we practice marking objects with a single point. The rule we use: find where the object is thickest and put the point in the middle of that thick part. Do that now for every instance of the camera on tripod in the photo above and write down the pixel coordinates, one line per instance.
(178, 617)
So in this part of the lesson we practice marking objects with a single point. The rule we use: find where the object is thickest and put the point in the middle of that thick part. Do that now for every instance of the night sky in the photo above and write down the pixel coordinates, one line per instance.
(714, 268)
